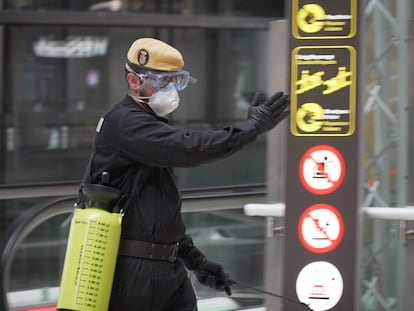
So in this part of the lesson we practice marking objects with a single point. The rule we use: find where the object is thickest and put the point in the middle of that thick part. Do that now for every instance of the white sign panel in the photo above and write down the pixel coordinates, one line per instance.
(319, 285)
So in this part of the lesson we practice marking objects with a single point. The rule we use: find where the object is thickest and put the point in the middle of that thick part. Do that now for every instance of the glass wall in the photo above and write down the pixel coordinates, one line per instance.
(184, 7)
(60, 80)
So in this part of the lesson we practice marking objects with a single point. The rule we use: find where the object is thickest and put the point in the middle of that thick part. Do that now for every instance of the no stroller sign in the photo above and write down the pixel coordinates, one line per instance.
(321, 228)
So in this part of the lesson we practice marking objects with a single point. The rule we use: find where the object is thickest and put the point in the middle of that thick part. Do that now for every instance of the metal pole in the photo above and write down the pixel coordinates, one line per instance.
(402, 165)
(275, 164)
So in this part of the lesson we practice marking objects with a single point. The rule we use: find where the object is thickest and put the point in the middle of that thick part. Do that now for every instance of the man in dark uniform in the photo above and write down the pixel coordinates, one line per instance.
(138, 148)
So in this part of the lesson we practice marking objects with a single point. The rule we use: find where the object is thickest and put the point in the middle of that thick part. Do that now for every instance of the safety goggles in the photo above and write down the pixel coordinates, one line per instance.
(165, 80)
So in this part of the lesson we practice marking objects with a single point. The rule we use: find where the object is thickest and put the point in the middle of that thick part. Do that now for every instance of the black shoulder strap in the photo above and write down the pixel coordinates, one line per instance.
(139, 180)
(86, 179)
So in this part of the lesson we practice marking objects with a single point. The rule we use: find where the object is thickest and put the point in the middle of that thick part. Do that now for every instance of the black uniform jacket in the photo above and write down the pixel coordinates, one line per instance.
(139, 149)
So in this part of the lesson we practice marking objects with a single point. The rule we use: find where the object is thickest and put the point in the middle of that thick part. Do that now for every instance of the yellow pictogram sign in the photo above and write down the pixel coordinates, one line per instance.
(310, 18)
(323, 91)
(314, 21)
(340, 81)
(309, 81)
(309, 117)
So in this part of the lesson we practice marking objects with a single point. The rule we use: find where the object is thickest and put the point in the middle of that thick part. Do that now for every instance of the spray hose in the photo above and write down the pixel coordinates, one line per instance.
(295, 301)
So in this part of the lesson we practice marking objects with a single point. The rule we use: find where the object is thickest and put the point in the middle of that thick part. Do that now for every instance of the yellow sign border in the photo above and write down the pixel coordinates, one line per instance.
(352, 91)
(352, 31)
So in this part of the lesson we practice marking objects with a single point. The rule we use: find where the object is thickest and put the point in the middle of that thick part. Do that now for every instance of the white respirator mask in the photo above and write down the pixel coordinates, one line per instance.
(162, 102)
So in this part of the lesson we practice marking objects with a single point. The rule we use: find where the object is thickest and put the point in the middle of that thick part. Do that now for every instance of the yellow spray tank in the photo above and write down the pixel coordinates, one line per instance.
(91, 251)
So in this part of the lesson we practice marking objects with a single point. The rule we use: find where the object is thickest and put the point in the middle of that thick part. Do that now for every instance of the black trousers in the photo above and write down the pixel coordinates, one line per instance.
(150, 285)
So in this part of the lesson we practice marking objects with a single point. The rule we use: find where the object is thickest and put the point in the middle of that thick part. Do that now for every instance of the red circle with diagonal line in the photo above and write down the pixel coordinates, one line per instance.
(322, 169)
(321, 228)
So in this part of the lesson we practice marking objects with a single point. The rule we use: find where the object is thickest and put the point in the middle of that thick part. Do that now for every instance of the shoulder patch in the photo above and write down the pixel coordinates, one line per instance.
(99, 126)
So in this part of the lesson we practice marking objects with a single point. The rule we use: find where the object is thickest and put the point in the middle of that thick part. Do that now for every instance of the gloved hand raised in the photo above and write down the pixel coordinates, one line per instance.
(212, 274)
(265, 114)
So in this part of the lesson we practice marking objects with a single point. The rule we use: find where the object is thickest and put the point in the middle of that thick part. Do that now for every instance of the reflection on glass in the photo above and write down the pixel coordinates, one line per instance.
(181, 7)
(72, 75)
(39, 259)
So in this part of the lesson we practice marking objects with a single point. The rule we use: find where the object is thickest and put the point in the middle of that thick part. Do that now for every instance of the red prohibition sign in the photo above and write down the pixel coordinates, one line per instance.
(321, 228)
(322, 169)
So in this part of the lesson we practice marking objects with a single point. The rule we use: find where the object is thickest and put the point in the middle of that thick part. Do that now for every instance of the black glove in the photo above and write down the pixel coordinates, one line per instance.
(212, 274)
(206, 271)
(266, 114)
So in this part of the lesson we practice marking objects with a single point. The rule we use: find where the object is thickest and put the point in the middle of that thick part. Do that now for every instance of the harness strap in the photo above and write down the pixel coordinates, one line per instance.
(148, 250)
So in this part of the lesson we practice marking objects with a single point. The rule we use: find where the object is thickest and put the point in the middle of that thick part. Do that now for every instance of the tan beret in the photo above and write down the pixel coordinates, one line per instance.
(155, 54)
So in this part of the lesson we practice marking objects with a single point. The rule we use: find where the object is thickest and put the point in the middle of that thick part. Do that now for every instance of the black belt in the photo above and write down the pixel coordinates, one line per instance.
(148, 250)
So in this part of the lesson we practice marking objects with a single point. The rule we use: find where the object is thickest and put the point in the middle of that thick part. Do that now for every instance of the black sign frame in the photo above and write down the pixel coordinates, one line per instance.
(324, 78)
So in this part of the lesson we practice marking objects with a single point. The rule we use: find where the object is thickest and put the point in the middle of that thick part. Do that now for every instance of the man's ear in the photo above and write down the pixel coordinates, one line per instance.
(134, 81)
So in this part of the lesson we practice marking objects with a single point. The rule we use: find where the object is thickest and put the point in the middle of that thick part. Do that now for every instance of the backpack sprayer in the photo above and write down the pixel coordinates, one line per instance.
(92, 250)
